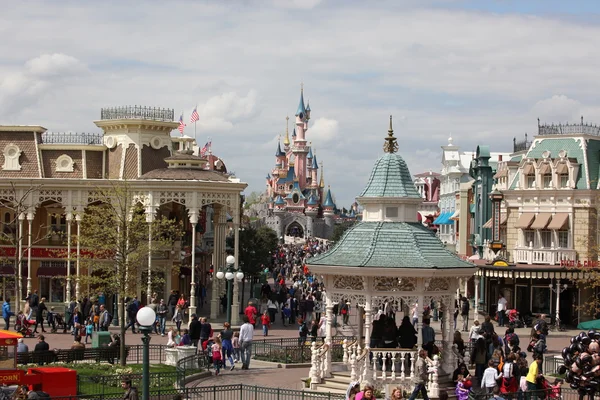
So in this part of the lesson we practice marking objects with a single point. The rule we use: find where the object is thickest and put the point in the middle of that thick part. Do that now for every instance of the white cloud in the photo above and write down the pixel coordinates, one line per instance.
(297, 4)
(324, 129)
(220, 113)
(558, 108)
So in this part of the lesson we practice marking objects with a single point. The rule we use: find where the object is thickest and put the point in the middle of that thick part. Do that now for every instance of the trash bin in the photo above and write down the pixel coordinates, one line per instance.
(100, 339)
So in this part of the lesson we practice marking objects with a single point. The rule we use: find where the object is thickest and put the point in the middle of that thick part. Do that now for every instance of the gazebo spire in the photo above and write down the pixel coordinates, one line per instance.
(390, 145)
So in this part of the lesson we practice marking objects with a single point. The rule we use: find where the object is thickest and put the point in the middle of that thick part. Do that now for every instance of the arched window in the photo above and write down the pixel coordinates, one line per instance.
(11, 158)
(64, 163)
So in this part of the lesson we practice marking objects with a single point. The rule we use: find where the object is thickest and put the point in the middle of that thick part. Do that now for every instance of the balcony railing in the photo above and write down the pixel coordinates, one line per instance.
(522, 145)
(569, 129)
(70, 138)
(138, 112)
(528, 255)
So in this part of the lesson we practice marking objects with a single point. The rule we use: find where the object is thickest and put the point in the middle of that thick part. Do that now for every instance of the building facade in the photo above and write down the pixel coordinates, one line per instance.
(298, 203)
(48, 179)
(428, 186)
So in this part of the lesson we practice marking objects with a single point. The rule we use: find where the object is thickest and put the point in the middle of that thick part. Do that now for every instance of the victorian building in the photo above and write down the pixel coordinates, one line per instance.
(428, 186)
(298, 202)
(548, 223)
(48, 179)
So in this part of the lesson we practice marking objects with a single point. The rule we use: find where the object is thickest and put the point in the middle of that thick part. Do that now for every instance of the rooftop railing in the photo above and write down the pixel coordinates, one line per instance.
(569, 129)
(138, 112)
(522, 145)
(71, 138)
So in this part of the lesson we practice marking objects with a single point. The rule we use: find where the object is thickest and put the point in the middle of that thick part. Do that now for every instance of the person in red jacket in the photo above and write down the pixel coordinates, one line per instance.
(250, 312)
(266, 323)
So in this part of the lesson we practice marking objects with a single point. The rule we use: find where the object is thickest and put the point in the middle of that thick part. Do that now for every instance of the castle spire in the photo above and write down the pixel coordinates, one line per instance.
(322, 182)
(301, 111)
(286, 141)
(390, 145)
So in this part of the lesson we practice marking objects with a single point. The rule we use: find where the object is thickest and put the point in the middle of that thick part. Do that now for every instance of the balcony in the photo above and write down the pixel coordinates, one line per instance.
(528, 255)
(138, 112)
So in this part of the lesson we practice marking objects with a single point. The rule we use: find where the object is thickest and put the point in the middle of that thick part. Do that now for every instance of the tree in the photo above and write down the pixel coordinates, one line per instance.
(21, 207)
(116, 230)
(252, 198)
(339, 230)
(256, 247)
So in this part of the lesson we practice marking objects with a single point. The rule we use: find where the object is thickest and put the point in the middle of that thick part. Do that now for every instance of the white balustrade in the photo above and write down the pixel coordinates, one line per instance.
(392, 365)
(550, 256)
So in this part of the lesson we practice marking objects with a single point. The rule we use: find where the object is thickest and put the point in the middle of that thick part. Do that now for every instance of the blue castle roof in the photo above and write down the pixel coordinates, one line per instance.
(310, 154)
(329, 200)
(294, 133)
(301, 109)
(296, 189)
(278, 152)
(289, 177)
(279, 201)
(315, 165)
(312, 200)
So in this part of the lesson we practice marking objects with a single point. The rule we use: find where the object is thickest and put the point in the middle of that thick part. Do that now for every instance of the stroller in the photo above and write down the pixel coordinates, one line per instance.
(515, 319)
(59, 323)
(551, 391)
(23, 325)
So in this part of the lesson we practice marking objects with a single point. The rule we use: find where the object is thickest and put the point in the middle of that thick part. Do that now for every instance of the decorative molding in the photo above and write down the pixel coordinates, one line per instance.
(55, 195)
(393, 284)
(12, 153)
(438, 284)
(348, 282)
(64, 163)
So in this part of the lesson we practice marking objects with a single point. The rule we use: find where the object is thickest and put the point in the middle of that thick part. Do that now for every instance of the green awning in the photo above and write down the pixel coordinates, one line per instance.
(595, 324)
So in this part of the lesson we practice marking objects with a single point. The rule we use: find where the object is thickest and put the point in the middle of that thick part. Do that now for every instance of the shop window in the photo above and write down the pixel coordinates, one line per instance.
(529, 237)
(563, 239)
(540, 300)
(547, 180)
(546, 237)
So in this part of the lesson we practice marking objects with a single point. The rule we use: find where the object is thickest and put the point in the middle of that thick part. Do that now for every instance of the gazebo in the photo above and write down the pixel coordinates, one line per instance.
(389, 257)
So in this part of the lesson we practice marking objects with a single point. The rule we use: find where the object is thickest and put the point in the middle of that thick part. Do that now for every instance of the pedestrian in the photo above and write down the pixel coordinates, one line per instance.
(216, 355)
(415, 314)
(161, 313)
(501, 309)
(178, 317)
(302, 332)
(490, 376)
(345, 311)
(105, 318)
(206, 331)
(131, 392)
(352, 390)
(172, 303)
(51, 320)
(89, 329)
(420, 376)
(246, 338)
(235, 343)
(226, 344)
(39, 314)
(272, 309)
(367, 393)
(196, 331)
(265, 320)
(6, 313)
(250, 312)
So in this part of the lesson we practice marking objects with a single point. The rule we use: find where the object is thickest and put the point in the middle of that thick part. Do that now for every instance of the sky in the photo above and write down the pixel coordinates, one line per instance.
(479, 71)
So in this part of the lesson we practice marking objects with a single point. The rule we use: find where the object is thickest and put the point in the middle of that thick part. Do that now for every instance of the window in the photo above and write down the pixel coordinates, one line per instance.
(57, 224)
(547, 181)
(11, 158)
(540, 300)
(530, 181)
(564, 180)
(529, 237)
(563, 239)
(391, 212)
(9, 224)
(546, 237)
(53, 286)
(64, 163)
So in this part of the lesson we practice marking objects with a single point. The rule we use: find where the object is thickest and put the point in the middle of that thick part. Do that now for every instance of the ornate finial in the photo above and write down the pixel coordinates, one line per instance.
(286, 141)
(390, 145)
(302, 87)
(322, 180)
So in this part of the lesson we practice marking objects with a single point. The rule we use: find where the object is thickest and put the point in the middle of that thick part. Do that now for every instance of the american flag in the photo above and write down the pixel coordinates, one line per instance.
(181, 124)
(204, 149)
(195, 117)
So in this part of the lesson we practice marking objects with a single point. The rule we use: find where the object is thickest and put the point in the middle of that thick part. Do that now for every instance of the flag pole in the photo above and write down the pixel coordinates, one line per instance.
(195, 122)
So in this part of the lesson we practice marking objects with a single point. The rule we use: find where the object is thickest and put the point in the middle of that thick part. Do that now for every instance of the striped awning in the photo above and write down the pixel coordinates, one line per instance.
(503, 219)
(541, 221)
(559, 220)
(527, 272)
(525, 220)
(455, 216)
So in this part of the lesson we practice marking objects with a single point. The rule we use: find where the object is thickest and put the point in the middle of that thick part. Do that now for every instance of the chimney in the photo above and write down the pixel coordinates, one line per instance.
(499, 157)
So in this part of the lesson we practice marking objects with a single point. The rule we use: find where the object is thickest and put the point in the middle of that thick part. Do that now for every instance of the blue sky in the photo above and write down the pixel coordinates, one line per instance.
(479, 71)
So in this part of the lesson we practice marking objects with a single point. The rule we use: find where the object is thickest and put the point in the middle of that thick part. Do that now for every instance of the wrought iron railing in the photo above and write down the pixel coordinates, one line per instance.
(522, 145)
(71, 138)
(138, 112)
(133, 354)
(569, 129)
(109, 385)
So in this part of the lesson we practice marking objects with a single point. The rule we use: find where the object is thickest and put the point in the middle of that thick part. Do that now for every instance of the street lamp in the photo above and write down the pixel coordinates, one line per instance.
(229, 274)
(558, 290)
(146, 317)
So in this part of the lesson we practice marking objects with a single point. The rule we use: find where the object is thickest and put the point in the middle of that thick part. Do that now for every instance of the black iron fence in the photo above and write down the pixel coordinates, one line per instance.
(221, 392)
(110, 385)
(133, 354)
(138, 112)
(71, 138)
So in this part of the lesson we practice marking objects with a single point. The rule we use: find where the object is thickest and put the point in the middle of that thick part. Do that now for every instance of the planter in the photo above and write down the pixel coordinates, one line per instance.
(171, 356)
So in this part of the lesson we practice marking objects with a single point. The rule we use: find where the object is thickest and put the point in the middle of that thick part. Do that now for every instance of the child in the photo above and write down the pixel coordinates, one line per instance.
(235, 342)
(89, 329)
(490, 376)
(51, 320)
(216, 355)
(555, 389)
(266, 323)
(462, 393)
(287, 313)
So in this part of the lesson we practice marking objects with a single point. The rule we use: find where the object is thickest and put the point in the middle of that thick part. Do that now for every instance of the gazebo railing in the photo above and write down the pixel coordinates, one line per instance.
(319, 360)
(393, 365)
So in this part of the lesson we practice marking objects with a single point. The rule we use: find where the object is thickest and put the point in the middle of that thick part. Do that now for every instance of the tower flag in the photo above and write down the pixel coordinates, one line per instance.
(181, 124)
(194, 118)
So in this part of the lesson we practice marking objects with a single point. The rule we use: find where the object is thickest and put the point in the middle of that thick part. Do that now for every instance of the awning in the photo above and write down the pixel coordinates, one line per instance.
(54, 271)
(541, 221)
(559, 220)
(444, 219)
(525, 220)
(455, 216)
(503, 219)
(440, 218)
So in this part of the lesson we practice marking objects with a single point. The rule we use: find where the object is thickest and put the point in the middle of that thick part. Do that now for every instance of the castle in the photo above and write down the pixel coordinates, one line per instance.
(298, 204)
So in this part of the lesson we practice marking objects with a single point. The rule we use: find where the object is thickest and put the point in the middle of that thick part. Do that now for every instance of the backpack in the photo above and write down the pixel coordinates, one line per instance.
(304, 330)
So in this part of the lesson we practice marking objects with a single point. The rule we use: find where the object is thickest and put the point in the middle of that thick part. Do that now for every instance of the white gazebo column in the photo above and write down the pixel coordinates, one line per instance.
(19, 257)
(149, 219)
(78, 259)
(69, 219)
(29, 244)
(235, 306)
(193, 214)
(421, 306)
(219, 221)
(328, 331)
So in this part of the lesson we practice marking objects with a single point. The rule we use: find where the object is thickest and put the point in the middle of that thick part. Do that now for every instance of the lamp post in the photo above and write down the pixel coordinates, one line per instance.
(558, 290)
(146, 317)
(230, 274)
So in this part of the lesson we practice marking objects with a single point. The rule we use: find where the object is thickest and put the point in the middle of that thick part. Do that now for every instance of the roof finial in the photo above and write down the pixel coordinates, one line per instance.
(322, 181)
(390, 145)
(286, 141)
(302, 87)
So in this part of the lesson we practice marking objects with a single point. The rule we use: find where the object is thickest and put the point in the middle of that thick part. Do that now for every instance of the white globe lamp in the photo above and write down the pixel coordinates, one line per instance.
(146, 316)
(229, 276)
(230, 260)
(240, 276)
(220, 275)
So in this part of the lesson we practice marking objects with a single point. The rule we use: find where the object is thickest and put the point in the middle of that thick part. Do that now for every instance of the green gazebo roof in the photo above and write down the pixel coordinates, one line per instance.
(390, 178)
(390, 245)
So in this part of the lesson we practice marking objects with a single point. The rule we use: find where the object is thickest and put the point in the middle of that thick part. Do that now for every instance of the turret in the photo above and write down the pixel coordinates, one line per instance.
(311, 211)
(310, 153)
(308, 111)
(313, 171)
(328, 207)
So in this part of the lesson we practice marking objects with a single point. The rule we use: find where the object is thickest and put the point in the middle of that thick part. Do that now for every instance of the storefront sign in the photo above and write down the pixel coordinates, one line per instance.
(11, 377)
(580, 264)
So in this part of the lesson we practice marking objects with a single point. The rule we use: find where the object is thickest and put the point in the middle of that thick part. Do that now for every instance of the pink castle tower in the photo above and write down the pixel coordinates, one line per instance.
(299, 148)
